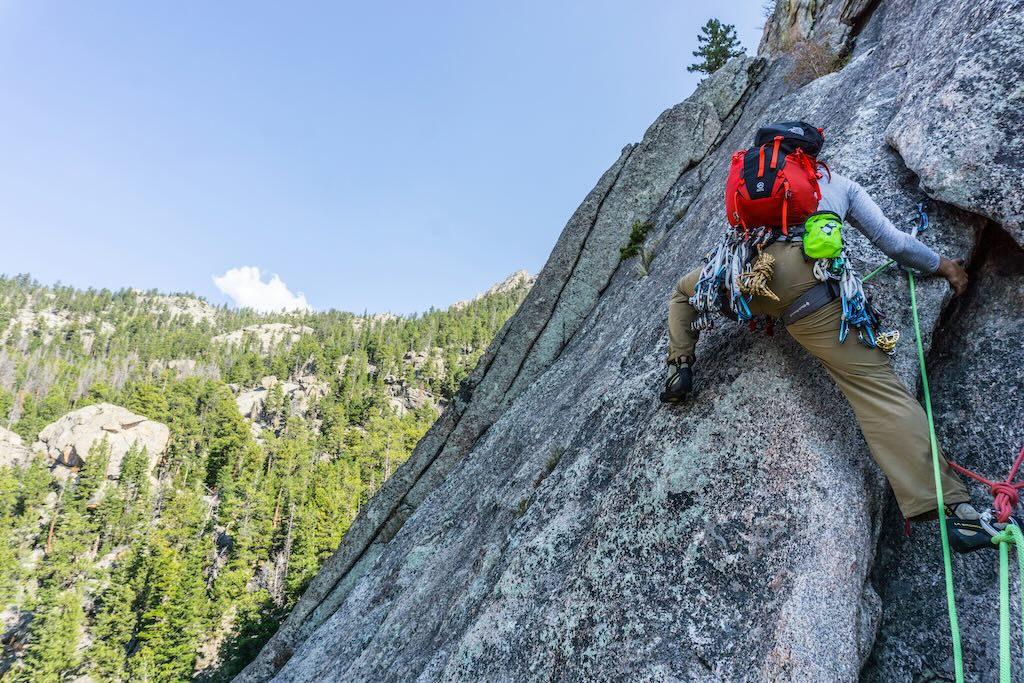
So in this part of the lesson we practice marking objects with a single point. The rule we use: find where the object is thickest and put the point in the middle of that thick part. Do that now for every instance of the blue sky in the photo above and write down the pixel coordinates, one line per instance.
(374, 156)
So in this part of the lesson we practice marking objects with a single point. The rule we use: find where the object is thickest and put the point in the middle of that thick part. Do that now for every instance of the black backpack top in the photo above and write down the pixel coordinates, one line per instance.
(795, 135)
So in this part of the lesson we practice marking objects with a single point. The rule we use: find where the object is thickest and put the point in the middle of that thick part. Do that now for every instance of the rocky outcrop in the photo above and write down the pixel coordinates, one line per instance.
(559, 523)
(185, 367)
(13, 451)
(964, 156)
(402, 397)
(67, 441)
(182, 306)
(265, 336)
(373, 320)
(421, 363)
(520, 278)
(38, 319)
(300, 394)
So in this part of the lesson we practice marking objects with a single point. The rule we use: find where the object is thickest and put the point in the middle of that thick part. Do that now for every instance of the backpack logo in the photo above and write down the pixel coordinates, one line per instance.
(796, 129)
(760, 187)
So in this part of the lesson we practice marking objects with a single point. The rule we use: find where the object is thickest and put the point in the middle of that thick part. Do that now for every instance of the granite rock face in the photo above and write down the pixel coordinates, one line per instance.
(958, 127)
(563, 295)
(975, 367)
(559, 523)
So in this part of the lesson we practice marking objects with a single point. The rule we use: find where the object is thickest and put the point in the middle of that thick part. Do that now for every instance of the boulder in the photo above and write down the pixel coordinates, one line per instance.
(67, 441)
(404, 398)
(250, 403)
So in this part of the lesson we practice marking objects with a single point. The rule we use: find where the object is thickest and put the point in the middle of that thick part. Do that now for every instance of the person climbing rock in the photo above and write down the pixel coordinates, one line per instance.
(783, 257)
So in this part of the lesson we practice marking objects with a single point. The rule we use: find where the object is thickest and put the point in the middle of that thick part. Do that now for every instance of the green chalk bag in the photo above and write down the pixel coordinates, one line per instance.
(823, 235)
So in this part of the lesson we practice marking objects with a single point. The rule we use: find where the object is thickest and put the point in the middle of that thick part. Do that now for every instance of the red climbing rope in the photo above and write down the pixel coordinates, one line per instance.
(1004, 492)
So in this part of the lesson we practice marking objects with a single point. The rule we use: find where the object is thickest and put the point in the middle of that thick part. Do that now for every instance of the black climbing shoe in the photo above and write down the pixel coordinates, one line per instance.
(679, 382)
(970, 530)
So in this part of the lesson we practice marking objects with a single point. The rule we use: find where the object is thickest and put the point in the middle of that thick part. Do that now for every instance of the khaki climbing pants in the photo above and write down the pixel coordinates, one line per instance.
(892, 421)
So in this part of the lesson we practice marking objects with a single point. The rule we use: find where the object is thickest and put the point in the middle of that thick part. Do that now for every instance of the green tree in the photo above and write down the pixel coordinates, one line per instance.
(717, 44)
(52, 652)
(6, 403)
(114, 624)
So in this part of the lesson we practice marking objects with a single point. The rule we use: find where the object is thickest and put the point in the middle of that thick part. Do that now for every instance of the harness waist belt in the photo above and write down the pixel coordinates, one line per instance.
(814, 298)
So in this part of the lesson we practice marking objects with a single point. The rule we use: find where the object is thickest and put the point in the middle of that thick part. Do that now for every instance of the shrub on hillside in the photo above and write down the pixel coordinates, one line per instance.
(812, 59)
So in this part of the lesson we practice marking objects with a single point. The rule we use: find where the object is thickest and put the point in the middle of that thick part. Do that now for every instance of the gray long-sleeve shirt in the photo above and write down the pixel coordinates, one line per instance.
(846, 198)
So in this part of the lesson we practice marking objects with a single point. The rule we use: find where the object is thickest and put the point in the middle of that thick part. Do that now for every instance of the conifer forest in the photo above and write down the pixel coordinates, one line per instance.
(175, 555)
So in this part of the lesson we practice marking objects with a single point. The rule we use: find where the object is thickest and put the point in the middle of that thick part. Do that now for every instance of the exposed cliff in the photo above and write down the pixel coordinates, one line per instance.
(559, 523)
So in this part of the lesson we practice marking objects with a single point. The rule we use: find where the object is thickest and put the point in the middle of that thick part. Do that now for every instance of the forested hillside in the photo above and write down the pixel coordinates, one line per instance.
(172, 474)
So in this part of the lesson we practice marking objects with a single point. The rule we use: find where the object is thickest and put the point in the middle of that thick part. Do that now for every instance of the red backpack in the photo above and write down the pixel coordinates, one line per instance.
(775, 182)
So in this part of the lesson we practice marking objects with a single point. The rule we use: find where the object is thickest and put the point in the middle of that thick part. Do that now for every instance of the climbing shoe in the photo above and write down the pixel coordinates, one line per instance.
(970, 530)
(679, 382)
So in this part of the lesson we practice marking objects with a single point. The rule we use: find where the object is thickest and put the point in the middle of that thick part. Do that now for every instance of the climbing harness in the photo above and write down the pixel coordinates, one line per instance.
(1005, 493)
(857, 311)
(728, 282)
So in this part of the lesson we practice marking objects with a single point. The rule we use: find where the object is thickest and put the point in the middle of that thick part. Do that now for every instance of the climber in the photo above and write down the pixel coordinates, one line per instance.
(781, 201)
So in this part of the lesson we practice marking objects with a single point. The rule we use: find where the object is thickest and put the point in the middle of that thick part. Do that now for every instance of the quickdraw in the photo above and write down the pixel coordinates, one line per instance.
(857, 311)
(725, 275)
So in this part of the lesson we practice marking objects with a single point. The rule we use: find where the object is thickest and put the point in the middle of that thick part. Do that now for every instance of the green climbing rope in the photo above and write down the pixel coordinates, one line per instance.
(877, 270)
(1011, 535)
(958, 659)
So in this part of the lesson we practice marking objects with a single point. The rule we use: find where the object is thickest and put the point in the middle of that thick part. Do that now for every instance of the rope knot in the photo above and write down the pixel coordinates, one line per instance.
(1006, 497)
(1005, 493)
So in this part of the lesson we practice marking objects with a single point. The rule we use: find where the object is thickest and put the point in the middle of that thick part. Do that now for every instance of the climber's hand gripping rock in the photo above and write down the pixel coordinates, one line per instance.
(954, 273)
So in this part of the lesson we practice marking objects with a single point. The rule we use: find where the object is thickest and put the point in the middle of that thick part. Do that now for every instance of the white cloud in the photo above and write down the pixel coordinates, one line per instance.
(248, 290)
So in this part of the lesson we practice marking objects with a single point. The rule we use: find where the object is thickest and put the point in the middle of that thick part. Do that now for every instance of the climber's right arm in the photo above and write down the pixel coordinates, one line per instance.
(896, 244)
(900, 246)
